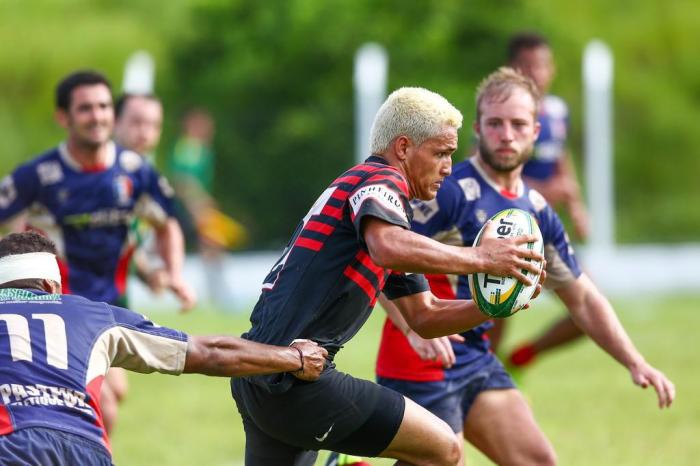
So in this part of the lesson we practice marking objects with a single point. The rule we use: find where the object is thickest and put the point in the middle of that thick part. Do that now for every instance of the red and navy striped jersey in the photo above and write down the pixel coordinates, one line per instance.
(325, 284)
(55, 351)
(89, 214)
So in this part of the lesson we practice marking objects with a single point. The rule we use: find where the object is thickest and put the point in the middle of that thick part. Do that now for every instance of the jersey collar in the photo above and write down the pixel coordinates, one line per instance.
(72, 163)
(376, 159)
(519, 190)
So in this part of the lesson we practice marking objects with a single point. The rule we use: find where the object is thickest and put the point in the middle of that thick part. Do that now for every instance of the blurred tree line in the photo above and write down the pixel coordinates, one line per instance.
(277, 76)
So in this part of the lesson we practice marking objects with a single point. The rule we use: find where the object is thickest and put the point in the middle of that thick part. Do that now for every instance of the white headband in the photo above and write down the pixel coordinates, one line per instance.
(41, 265)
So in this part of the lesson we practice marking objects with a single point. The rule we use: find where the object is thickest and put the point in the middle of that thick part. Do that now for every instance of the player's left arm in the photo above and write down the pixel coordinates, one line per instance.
(427, 348)
(171, 248)
(432, 317)
(156, 206)
(594, 314)
(566, 177)
(229, 356)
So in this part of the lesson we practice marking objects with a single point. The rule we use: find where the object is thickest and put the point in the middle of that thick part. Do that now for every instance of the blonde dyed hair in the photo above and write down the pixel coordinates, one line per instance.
(499, 86)
(414, 112)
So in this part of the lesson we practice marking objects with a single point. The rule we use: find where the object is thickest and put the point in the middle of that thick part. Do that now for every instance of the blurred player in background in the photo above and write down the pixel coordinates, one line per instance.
(138, 124)
(191, 169)
(60, 347)
(85, 193)
(459, 379)
(137, 127)
(550, 172)
(353, 243)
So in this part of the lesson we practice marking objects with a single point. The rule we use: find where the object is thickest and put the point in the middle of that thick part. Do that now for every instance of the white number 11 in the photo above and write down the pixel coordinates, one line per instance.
(54, 333)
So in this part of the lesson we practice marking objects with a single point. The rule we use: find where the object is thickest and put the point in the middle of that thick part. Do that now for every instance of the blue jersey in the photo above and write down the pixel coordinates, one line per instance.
(464, 202)
(550, 146)
(88, 214)
(55, 350)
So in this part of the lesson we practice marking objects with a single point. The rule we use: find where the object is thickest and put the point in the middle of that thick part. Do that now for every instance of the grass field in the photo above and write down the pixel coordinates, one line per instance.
(584, 400)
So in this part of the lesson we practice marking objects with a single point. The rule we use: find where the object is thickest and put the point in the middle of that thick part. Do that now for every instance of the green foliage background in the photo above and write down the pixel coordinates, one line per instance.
(277, 76)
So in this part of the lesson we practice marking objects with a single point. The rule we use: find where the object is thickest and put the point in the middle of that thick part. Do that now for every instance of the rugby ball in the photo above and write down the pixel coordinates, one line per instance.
(504, 296)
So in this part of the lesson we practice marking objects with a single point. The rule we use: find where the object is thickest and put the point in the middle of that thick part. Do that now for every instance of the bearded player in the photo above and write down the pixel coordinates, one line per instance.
(460, 380)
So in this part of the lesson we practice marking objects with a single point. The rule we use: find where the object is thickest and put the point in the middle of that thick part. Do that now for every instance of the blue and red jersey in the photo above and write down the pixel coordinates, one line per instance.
(325, 284)
(55, 351)
(550, 146)
(466, 199)
(88, 214)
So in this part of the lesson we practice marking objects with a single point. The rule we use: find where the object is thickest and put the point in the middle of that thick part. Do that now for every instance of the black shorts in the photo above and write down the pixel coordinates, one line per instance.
(338, 412)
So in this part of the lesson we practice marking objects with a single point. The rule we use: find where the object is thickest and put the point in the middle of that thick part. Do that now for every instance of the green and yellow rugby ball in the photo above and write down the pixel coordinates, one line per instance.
(504, 296)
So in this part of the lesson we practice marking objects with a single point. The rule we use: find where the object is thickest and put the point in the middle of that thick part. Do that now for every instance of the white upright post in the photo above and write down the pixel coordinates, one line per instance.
(371, 64)
(139, 73)
(598, 78)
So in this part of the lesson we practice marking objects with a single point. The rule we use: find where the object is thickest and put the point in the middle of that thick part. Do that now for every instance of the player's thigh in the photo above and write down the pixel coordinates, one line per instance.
(263, 450)
(423, 439)
(117, 382)
(338, 412)
(496, 415)
(442, 398)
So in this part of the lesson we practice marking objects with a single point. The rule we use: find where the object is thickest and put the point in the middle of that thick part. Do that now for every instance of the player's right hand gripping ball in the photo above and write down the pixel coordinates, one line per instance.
(504, 296)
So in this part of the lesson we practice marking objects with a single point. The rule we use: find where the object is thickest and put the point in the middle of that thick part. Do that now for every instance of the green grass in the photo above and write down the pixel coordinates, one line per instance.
(583, 400)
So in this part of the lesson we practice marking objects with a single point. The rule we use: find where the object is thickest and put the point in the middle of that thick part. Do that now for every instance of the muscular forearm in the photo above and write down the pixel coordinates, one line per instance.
(394, 314)
(229, 356)
(171, 246)
(596, 317)
(431, 317)
(404, 250)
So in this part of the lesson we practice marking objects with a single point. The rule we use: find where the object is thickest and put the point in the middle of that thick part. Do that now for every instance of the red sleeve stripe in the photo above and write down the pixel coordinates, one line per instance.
(362, 282)
(340, 194)
(331, 211)
(349, 179)
(319, 227)
(364, 259)
(308, 243)
(393, 178)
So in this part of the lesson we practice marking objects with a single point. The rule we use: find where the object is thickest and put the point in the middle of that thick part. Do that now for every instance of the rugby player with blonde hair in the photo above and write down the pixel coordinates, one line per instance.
(355, 242)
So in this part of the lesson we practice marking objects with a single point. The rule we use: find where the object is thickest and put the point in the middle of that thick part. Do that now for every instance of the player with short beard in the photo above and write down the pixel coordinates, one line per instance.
(459, 379)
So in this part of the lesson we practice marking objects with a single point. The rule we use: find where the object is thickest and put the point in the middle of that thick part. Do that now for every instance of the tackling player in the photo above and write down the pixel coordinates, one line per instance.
(86, 193)
(55, 350)
(461, 380)
(353, 242)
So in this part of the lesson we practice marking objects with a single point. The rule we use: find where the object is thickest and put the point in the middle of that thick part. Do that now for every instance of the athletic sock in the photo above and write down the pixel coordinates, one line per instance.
(522, 355)
(341, 459)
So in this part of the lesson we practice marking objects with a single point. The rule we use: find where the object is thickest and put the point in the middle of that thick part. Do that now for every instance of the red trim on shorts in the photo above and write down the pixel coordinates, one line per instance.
(94, 392)
(5, 421)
